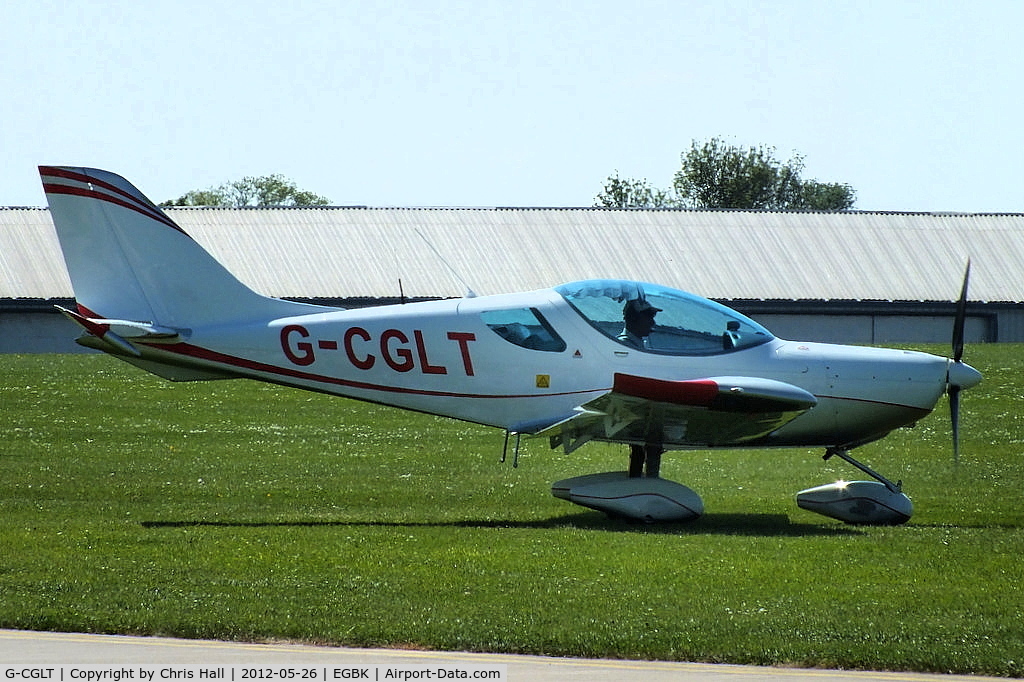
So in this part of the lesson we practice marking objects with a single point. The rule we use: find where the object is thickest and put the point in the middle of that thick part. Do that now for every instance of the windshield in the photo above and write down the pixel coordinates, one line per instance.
(661, 320)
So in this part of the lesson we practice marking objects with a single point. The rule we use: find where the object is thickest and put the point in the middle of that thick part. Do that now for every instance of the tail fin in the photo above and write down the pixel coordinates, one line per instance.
(129, 261)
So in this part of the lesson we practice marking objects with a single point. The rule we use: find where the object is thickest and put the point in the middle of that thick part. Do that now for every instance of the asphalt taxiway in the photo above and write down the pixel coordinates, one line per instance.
(19, 647)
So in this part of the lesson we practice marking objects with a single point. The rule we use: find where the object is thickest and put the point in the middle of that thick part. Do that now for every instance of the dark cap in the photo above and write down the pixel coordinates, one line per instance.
(639, 305)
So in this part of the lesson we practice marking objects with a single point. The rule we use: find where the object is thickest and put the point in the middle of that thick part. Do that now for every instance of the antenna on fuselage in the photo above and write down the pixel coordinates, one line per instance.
(454, 273)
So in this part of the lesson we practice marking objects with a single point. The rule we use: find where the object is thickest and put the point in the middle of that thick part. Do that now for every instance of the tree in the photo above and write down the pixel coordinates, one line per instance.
(627, 193)
(823, 196)
(265, 190)
(718, 175)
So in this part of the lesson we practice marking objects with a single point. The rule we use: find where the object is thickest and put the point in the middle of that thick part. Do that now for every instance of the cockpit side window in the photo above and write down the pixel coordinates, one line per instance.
(525, 327)
(683, 324)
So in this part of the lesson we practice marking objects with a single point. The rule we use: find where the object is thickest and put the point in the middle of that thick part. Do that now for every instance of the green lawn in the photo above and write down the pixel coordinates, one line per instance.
(245, 511)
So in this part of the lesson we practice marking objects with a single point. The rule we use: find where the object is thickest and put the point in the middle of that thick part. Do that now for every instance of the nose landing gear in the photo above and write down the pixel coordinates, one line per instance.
(878, 502)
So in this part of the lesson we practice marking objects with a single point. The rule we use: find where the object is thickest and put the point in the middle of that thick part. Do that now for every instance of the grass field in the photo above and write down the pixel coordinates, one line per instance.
(244, 511)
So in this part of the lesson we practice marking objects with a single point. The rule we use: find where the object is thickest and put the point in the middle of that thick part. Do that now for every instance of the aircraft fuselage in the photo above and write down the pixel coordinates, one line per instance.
(442, 358)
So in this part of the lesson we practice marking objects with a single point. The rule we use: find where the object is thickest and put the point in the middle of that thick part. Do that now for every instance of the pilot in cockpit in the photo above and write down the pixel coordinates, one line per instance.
(638, 316)
(731, 337)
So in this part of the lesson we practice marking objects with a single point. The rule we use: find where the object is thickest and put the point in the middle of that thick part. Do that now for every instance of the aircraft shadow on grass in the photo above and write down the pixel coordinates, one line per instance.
(760, 525)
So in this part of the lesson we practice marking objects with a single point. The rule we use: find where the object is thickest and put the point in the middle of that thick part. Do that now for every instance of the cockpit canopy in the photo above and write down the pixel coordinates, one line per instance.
(684, 324)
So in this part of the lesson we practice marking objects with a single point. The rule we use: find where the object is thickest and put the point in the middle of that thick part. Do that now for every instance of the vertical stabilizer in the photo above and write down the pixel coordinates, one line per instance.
(128, 260)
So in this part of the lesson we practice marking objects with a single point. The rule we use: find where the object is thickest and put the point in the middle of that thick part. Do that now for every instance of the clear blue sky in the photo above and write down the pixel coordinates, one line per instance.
(918, 105)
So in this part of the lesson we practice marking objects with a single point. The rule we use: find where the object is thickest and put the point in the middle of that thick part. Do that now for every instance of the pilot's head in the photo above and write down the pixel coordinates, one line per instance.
(639, 316)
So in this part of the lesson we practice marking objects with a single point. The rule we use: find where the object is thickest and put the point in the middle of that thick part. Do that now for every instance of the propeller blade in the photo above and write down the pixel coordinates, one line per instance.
(961, 317)
(954, 416)
(953, 386)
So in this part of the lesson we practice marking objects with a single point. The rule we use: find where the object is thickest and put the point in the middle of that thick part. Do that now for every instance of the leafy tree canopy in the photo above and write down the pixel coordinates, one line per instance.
(265, 190)
(715, 174)
(626, 193)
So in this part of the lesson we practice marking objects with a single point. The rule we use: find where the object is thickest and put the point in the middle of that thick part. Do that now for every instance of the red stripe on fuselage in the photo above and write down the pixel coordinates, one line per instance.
(208, 355)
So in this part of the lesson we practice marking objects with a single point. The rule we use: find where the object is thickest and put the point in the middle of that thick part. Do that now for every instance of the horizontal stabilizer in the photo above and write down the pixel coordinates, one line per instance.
(120, 333)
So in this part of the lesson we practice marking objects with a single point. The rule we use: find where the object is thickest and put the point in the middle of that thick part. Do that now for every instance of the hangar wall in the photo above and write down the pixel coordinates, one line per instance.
(41, 329)
(885, 322)
(38, 332)
(873, 329)
(883, 278)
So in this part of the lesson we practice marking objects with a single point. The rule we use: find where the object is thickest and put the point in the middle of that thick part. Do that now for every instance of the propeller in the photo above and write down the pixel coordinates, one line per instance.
(961, 317)
(959, 375)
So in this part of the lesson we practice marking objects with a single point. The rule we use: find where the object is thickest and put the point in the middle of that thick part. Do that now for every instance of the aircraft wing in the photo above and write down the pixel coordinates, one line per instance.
(715, 411)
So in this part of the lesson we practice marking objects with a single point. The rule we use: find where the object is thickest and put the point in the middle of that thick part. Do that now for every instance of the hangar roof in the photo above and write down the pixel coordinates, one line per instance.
(357, 252)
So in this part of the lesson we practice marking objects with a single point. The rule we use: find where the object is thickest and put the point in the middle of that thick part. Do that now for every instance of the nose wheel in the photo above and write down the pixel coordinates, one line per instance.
(880, 502)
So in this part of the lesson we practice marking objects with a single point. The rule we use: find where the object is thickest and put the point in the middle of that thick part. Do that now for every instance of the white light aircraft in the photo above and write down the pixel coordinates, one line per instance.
(599, 360)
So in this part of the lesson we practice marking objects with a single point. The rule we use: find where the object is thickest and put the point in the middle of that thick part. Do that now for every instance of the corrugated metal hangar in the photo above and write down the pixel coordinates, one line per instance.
(851, 277)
